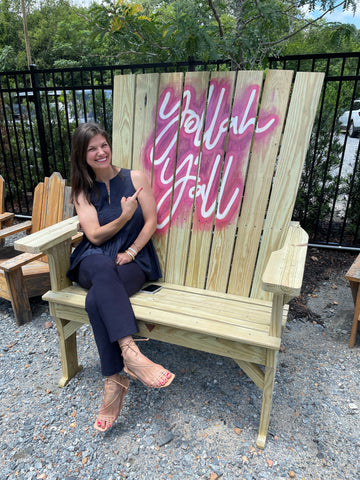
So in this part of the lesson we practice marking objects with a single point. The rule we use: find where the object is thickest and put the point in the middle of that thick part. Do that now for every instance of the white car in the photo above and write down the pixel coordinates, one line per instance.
(354, 126)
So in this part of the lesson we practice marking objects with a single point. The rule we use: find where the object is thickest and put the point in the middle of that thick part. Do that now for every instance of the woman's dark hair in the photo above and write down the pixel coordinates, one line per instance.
(82, 176)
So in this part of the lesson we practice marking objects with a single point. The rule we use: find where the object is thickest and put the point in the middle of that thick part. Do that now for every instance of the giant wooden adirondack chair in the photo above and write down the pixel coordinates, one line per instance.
(27, 275)
(224, 152)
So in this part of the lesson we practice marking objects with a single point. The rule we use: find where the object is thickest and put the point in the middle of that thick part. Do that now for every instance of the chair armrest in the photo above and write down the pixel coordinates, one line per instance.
(19, 261)
(49, 237)
(6, 216)
(285, 269)
(20, 227)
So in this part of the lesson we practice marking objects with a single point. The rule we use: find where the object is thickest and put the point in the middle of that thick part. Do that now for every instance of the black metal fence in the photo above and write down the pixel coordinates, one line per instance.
(39, 110)
(328, 203)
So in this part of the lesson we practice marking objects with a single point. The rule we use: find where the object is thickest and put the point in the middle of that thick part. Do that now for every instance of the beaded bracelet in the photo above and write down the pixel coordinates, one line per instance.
(130, 255)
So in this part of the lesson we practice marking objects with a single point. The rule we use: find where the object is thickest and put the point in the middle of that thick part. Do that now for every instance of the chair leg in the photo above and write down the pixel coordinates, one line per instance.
(270, 372)
(18, 296)
(68, 352)
(356, 318)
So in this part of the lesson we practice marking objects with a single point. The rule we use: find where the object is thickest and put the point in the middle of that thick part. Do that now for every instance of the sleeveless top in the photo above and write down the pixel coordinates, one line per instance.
(108, 207)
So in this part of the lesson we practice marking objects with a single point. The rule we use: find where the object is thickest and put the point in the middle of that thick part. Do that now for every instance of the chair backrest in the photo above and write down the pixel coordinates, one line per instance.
(51, 202)
(2, 195)
(224, 152)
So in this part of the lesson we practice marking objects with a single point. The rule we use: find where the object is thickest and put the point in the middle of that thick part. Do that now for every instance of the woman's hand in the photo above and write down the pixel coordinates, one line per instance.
(89, 220)
(129, 204)
(122, 258)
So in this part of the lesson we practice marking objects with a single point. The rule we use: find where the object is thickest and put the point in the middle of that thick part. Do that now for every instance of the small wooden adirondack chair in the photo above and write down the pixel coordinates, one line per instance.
(224, 152)
(27, 275)
(6, 218)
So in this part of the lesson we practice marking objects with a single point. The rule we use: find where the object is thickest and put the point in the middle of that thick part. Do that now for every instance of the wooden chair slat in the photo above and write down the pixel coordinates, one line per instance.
(167, 126)
(196, 89)
(241, 131)
(260, 173)
(38, 207)
(123, 120)
(212, 154)
(147, 87)
(54, 200)
(294, 145)
(68, 207)
(2, 195)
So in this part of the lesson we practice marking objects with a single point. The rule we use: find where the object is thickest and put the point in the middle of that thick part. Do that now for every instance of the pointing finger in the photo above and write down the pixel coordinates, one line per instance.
(136, 194)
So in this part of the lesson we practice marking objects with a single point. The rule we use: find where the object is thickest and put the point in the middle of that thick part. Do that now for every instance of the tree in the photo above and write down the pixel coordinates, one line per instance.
(10, 34)
(245, 31)
(130, 31)
(264, 28)
(58, 36)
(26, 34)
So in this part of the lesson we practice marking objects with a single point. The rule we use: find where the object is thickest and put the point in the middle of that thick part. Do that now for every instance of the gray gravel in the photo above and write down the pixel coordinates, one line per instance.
(204, 426)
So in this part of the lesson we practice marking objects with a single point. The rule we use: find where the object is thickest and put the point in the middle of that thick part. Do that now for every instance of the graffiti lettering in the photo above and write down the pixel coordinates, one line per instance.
(196, 174)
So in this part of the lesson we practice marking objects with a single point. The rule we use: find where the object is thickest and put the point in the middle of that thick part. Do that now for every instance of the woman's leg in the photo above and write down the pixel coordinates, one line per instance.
(114, 392)
(108, 288)
(108, 305)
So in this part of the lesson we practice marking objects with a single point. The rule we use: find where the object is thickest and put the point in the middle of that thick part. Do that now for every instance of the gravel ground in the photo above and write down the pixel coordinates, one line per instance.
(204, 426)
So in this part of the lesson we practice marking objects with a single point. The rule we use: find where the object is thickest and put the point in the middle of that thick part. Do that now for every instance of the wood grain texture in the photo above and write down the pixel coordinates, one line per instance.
(179, 237)
(200, 245)
(123, 120)
(173, 81)
(259, 180)
(294, 145)
(238, 152)
(147, 87)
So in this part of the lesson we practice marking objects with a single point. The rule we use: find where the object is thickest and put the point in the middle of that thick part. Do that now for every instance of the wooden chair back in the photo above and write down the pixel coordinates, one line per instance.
(2, 195)
(51, 203)
(6, 218)
(224, 152)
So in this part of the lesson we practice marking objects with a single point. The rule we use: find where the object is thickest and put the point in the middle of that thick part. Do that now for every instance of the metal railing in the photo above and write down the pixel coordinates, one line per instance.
(328, 203)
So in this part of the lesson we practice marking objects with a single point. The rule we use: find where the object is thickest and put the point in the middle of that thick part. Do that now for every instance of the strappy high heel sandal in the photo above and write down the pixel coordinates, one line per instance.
(115, 395)
(162, 380)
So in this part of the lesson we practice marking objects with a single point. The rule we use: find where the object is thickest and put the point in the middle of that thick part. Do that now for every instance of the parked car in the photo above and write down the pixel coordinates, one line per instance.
(354, 125)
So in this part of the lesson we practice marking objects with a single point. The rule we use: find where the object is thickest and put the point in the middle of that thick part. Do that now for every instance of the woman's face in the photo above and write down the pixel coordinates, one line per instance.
(98, 153)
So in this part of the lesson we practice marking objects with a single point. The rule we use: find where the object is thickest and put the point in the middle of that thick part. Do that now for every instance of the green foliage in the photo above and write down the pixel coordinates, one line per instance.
(324, 38)
(128, 31)
(7, 58)
(10, 35)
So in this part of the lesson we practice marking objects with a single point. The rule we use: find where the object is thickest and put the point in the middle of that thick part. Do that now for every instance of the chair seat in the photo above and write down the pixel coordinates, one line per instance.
(226, 316)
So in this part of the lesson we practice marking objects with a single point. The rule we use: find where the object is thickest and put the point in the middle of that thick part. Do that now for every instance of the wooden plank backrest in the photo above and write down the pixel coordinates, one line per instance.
(223, 163)
(51, 202)
(2, 195)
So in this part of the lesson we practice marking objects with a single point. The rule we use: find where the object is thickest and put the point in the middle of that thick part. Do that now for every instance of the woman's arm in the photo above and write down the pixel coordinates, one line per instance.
(148, 206)
(89, 221)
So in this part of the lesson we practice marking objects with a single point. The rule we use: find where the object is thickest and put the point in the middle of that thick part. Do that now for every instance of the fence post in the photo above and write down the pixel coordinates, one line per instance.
(40, 121)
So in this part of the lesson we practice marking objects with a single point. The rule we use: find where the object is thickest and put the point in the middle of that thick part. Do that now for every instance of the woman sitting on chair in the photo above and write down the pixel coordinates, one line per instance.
(117, 213)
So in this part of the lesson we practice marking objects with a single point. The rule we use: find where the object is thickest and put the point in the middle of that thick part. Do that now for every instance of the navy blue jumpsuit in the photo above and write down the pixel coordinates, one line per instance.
(109, 285)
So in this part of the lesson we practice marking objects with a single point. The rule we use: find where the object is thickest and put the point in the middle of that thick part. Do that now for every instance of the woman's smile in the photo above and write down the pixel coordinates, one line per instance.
(98, 152)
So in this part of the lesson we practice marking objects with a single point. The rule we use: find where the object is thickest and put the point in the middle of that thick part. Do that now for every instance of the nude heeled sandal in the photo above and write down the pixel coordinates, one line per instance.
(157, 381)
(111, 387)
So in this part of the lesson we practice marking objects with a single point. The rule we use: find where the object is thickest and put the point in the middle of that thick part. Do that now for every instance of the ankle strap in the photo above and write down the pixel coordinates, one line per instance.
(133, 340)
